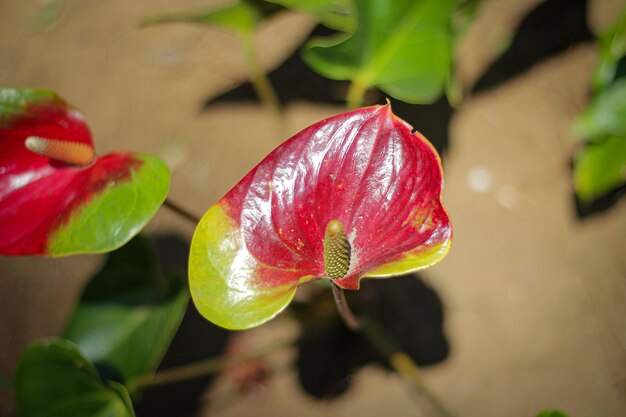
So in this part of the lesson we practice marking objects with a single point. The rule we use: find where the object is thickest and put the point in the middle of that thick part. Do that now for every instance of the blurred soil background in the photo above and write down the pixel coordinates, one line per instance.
(534, 297)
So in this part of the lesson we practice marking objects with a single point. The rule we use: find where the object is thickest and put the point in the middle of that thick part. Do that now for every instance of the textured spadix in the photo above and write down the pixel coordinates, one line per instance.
(352, 196)
(56, 198)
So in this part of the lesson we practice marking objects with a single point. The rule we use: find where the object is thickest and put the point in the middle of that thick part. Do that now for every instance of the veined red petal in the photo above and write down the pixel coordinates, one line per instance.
(365, 170)
(29, 215)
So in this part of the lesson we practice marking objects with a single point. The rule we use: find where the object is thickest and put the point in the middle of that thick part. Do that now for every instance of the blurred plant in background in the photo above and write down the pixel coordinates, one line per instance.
(600, 163)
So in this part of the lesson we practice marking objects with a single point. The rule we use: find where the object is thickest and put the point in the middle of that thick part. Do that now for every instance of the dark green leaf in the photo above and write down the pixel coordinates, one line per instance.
(552, 413)
(129, 312)
(404, 47)
(53, 379)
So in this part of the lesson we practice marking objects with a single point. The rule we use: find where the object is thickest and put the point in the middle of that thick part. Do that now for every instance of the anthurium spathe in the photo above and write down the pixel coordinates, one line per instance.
(56, 197)
(356, 195)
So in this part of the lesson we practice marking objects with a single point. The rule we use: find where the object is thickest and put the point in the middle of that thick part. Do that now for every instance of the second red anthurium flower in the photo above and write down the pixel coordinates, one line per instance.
(57, 197)
(356, 195)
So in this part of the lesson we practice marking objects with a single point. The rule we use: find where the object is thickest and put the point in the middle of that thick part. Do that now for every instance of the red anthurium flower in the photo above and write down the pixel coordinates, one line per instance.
(56, 197)
(356, 195)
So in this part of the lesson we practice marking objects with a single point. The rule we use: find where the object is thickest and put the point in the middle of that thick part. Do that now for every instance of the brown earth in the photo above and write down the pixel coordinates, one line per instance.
(535, 299)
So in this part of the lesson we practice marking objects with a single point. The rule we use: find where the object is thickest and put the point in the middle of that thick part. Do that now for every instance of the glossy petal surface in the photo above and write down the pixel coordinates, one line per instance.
(48, 207)
(364, 169)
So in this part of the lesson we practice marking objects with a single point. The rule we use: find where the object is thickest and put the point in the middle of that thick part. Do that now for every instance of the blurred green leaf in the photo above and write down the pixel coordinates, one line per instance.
(552, 413)
(464, 15)
(600, 165)
(336, 14)
(47, 15)
(53, 379)
(404, 47)
(612, 46)
(605, 115)
(599, 168)
(129, 312)
(241, 17)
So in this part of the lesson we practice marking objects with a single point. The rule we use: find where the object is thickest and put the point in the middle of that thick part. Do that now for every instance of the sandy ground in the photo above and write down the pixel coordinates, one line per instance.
(535, 299)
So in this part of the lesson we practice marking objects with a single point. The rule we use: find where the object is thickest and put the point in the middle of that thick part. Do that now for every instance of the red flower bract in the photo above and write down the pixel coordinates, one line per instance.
(352, 196)
(56, 198)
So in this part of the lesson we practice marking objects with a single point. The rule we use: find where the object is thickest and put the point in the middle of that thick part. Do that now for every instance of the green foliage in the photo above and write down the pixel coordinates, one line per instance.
(53, 379)
(336, 14)
(14, 102)
(464, 15)
(404, 47)
(600, 166)
(612, 48)
(124, 323)
(241, 17)
(113, 217)
(48, 14)
(605, 115)
(552, 413)
(129, 312)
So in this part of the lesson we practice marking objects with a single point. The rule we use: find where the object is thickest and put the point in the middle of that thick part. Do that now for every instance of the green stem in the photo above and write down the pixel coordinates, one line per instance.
(400, 361)
(181, 211)
(202, 368)
(406, 367)
(259, 79)
(356, 95)
(344, 309)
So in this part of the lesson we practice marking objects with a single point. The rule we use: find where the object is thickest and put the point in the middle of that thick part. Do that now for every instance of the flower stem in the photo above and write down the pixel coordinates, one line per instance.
(405, 366)
(181, 211)
(344, 309)
(399, 360)
(202, 368)
(356, 95)
(259, 79)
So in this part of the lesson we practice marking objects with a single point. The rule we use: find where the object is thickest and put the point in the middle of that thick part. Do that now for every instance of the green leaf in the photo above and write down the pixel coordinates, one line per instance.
(464, 15)
(552, 413)
(599, 168)
(129, 312)
(15, 102)
(612, 48)
(336, 14)
(53, 379)
(404, 47)
(48, 14)
(241, 17)
(605, 115)
(117, 214)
